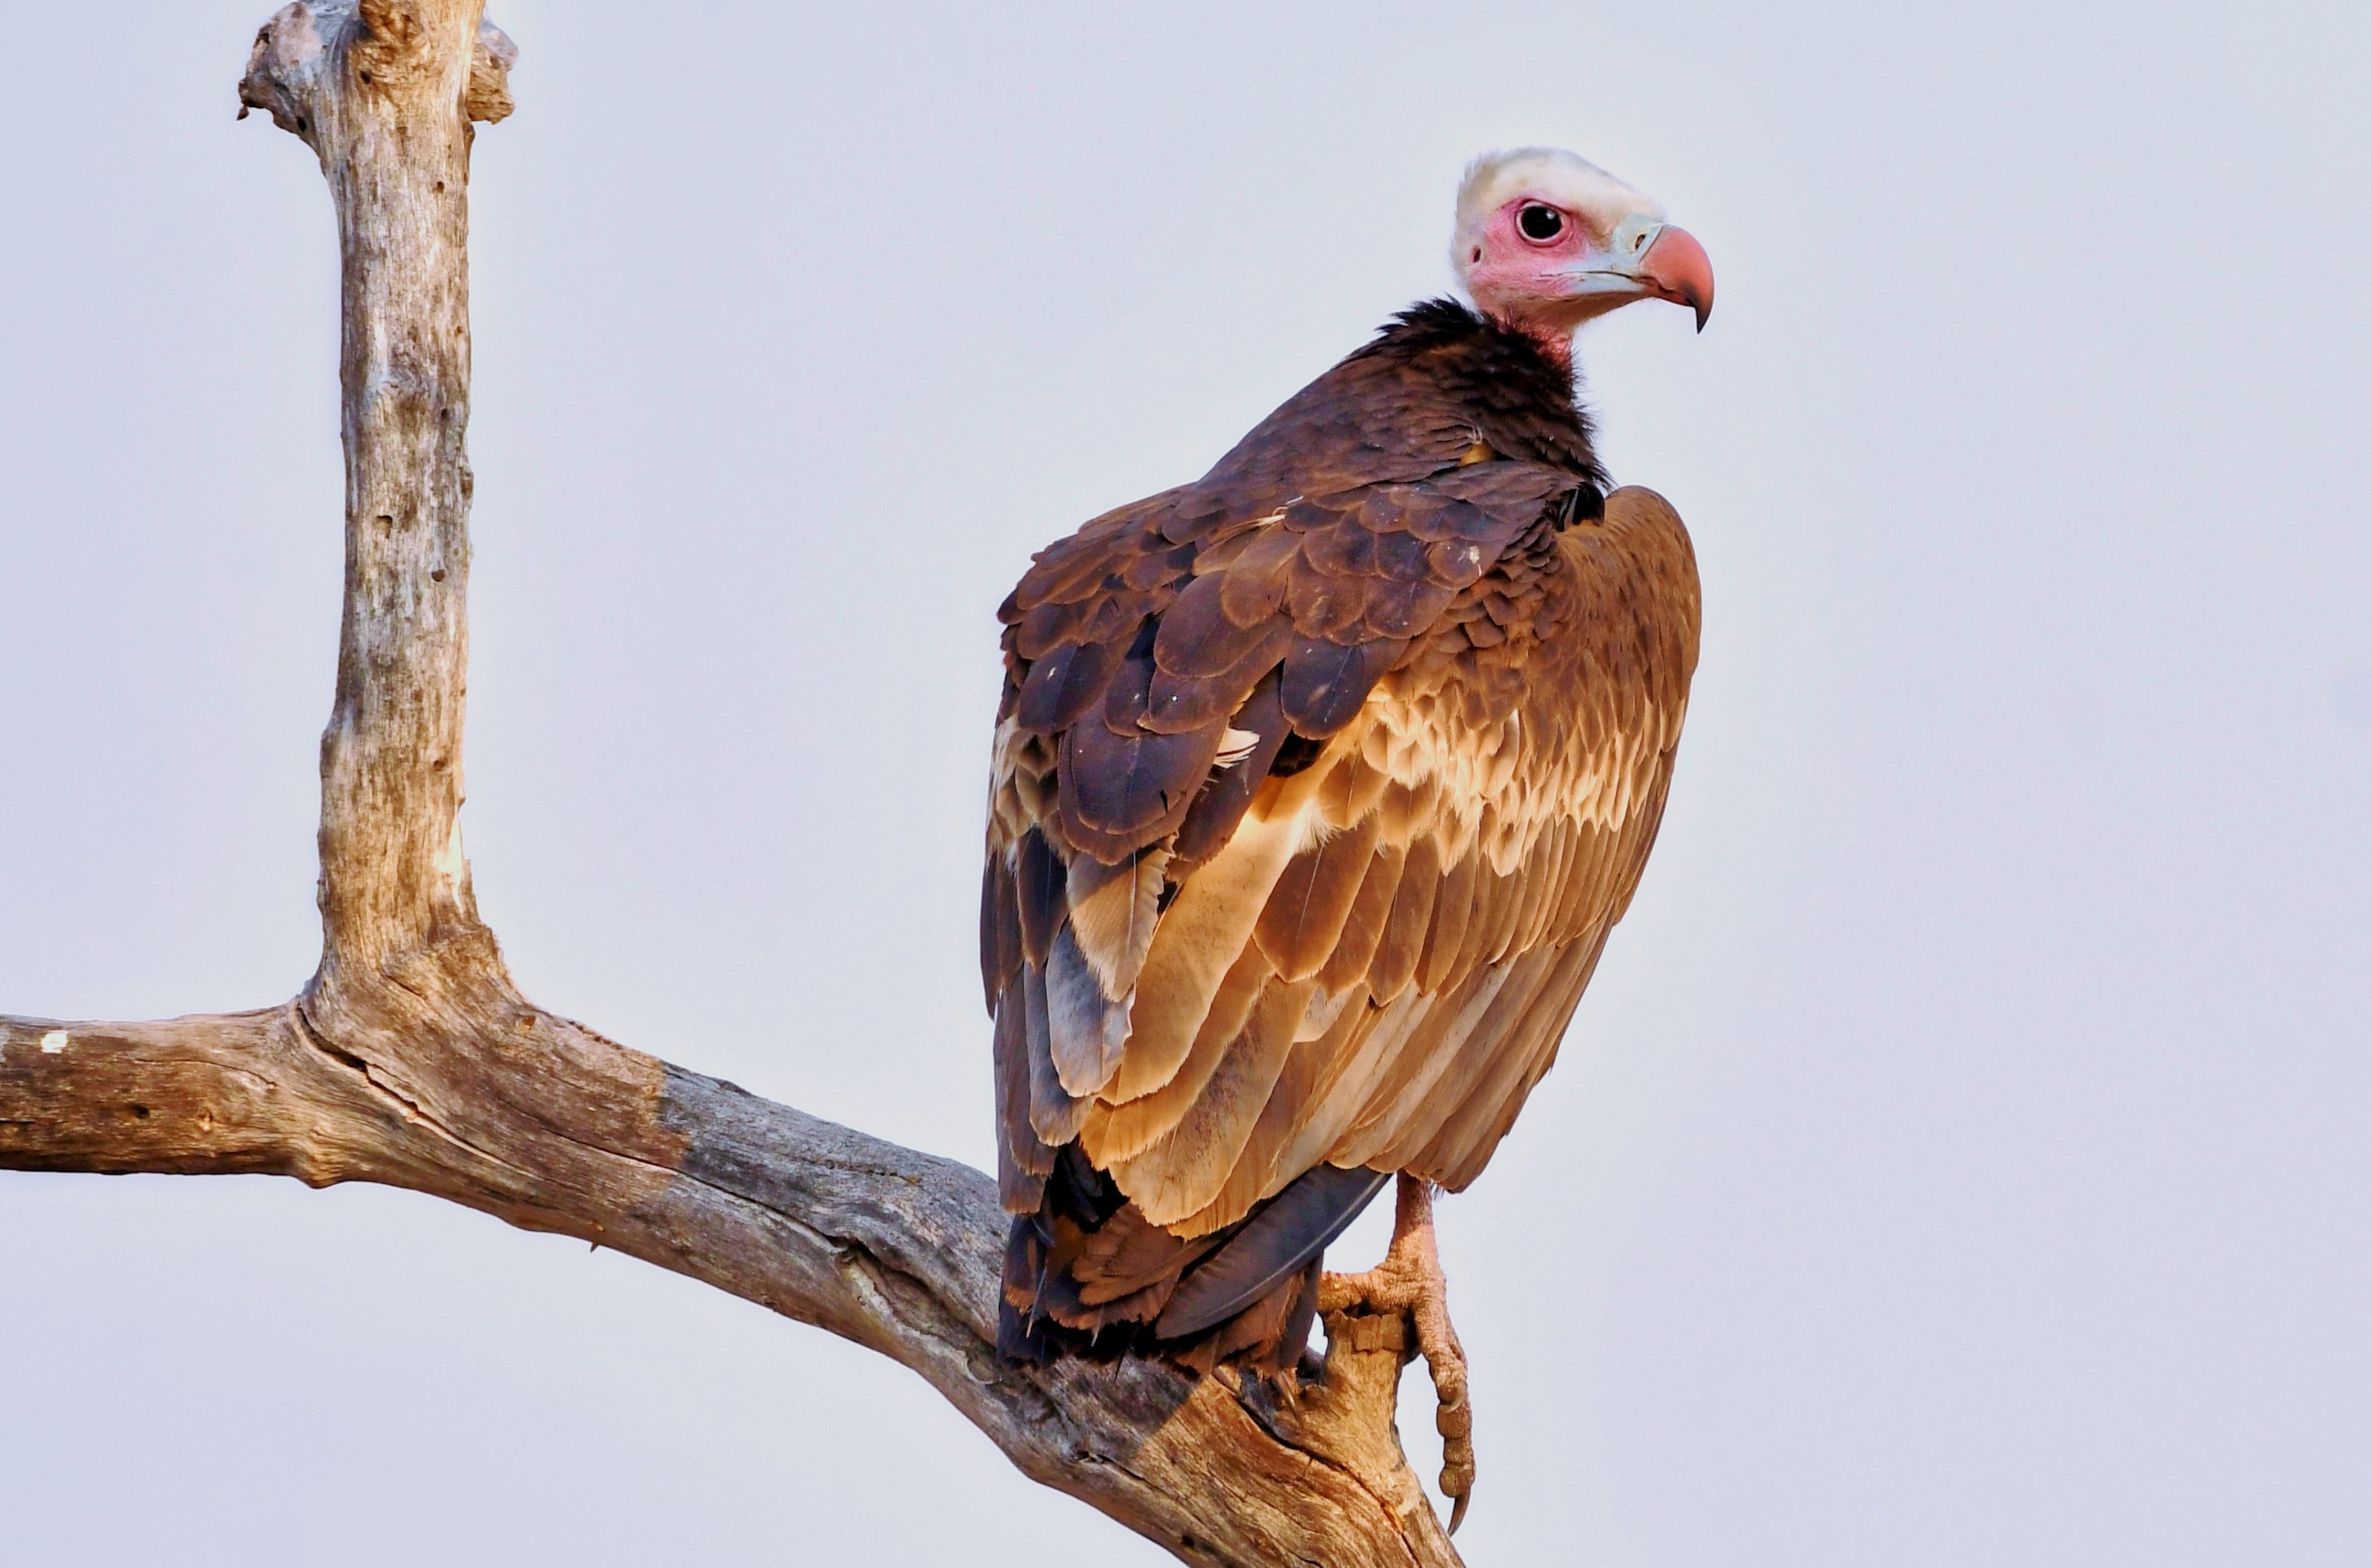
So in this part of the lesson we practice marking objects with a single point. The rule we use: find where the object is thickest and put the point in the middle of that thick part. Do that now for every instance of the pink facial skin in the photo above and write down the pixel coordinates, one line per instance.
(1547, 284)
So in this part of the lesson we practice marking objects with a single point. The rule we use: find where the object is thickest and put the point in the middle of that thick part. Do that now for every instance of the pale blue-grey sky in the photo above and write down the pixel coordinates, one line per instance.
(1964, 1154)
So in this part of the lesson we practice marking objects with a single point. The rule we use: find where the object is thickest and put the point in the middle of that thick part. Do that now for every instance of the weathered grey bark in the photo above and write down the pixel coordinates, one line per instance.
(411, 1059)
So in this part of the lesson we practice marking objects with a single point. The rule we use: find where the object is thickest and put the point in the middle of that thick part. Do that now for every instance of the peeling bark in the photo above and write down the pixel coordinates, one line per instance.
(410, 1058)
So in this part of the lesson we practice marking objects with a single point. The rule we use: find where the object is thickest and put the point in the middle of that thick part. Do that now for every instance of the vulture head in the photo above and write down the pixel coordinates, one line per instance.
(1547, 241)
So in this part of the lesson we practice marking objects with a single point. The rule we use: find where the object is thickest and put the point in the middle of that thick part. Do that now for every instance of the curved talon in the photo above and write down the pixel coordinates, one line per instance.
(1410, 1283)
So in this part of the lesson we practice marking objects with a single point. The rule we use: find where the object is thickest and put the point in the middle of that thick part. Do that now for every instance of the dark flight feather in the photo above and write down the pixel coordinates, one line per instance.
(1065, 685)
(1216, 813)
(1326, 682)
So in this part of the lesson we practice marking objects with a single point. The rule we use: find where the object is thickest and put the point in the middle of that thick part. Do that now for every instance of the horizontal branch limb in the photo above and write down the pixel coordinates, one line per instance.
(451, 1084)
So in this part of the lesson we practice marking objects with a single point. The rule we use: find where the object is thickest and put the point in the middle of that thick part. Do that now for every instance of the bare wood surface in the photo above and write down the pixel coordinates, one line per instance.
(465, 1091)
(411, 1059)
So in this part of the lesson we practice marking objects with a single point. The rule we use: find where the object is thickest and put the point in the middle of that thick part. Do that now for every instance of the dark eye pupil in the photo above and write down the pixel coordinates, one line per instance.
(1540, 223)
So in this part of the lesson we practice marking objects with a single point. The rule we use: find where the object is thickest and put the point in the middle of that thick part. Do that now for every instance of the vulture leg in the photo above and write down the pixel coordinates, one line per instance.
(1409, 1282)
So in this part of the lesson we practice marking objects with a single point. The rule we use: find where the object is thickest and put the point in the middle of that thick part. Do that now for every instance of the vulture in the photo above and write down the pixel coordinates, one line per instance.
(1317, 784)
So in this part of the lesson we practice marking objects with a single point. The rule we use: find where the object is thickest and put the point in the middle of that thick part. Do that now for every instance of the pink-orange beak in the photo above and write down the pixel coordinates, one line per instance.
(1676, 268)
(1644, 259)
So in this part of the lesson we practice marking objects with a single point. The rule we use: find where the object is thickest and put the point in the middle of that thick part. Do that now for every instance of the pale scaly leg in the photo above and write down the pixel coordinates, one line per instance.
(1409, 1282)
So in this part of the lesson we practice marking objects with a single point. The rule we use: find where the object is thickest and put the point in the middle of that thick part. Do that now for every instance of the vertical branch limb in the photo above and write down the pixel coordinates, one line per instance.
(384, 91)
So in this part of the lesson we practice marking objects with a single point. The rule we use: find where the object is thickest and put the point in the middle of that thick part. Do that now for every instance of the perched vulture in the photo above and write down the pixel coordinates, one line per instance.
(1317, 785)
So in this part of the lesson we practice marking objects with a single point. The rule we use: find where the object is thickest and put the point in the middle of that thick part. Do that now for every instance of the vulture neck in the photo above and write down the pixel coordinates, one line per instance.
(1555, 344)
(1439, 364)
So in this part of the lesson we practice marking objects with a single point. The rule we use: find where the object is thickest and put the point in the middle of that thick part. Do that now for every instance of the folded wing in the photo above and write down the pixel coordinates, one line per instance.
(1309, 820)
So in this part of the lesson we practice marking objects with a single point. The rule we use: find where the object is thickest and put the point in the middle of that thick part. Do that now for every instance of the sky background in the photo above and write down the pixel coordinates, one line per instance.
(1962, 1156)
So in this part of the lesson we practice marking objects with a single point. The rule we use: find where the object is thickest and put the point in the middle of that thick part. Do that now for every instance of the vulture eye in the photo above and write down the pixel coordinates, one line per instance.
(1539, 222)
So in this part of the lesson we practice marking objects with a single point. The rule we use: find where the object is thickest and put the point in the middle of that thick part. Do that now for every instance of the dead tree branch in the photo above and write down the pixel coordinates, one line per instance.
(411, 1059)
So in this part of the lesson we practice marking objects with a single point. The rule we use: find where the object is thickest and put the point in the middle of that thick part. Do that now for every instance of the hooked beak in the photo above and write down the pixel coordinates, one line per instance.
(1646, 259)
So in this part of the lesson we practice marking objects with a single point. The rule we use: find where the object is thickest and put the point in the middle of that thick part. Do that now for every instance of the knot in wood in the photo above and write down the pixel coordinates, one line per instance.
(391, 45)
(489, 80)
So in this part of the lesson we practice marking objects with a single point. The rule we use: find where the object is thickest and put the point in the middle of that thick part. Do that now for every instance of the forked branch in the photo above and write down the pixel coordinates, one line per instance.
(411, 1059)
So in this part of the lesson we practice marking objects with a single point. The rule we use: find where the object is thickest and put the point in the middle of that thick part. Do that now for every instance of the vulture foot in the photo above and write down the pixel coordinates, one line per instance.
(1408, 1284)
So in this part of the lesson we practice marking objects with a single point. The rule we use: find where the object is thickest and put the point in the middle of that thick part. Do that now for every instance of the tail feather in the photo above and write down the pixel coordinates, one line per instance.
(1277, 1241)
(1088, 1275)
